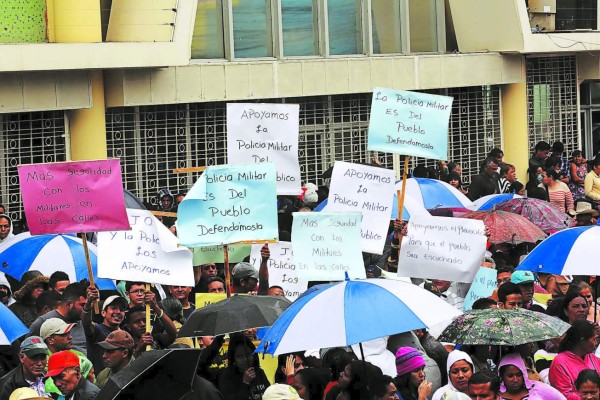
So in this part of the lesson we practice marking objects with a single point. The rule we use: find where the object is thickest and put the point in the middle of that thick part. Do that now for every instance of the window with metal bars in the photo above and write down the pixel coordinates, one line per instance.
(552, 101)
(27, 138)
(152, 141)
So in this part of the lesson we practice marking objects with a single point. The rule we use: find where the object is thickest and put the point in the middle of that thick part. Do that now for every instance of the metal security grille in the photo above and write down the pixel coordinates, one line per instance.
(152, 141)
(552, 101)
(27, 138)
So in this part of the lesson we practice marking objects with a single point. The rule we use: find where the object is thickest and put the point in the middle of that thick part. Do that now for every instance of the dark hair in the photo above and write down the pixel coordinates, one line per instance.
(552, 173)
(453, 176)
(420, 171)
(569, 297)
(452, 166)
(486, 376)
(275, 287)
(215, 279)
(379, 386)
(558, 147)
(57, 276)
(515, 187)
(554, 308)
(173, 308)
(505, 268)
(578, 332)
(506, 289)
(495, 152)
(241, 340)
(542, 146)
(596, 162)
(129, 284)
(336, 360)
(483, 304)
(489, 161)
(132, 311)
(587, 375)
(361, 373)
(49, 298)
(74, 291)
(315, 380)
(280, 376)
(576, 153)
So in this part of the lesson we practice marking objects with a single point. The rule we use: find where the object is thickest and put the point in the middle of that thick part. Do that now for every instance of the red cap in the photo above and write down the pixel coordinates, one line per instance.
(60, 361)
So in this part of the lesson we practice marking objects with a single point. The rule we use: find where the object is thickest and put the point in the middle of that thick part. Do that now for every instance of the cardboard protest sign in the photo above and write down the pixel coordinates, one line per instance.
(216, 254)
(282, 268)
(369, 190)
(259, 133)
(410, 123)
(329, 244)
(230, 204)
(442, 248)
(72, 197)
(147, 253)
(483, 286)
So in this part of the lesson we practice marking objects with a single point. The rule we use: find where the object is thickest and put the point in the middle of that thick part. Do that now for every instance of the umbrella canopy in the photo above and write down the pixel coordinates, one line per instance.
(157, 374)
(432, 193)
(234, 314)
(411, 207)
(506, 227)
(131, 201)
(488, 202)
(565, 253)
(354, 311)
(497, 326)
(543, 214)
(49, 253)
(11, 327)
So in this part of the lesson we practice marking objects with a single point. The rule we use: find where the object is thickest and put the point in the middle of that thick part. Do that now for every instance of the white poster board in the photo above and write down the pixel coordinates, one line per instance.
(282, 269)
(148, 253)
(266, 133)
(451, 249)
(368, 190)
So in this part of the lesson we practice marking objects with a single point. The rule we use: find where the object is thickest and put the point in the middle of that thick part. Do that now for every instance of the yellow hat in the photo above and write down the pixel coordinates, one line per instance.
(25, 393)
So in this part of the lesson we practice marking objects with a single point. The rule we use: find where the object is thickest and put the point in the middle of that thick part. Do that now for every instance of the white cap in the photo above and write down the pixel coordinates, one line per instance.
(54, 326)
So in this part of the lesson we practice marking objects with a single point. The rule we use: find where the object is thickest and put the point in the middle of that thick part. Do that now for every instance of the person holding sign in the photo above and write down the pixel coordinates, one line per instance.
(135, 324)
(245, 277)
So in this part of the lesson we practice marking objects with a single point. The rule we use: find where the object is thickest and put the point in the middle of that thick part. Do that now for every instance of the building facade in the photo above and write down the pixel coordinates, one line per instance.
(148, 81)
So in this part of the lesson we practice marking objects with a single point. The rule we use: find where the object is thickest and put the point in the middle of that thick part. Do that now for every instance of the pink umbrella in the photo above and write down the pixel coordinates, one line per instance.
(543, 214)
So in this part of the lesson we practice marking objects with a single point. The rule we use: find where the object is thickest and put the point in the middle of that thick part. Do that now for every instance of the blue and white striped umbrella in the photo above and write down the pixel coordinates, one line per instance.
(11, 327)
(47, 254)
(488, 202)
(431, 193)
(410, 207)
(567, 252)
(354, 311)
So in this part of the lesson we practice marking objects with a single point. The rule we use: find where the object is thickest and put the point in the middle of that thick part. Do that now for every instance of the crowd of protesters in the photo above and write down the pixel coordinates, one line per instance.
(71, 352)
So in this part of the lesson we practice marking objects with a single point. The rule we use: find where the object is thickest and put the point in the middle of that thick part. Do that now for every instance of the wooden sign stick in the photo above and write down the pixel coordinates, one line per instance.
(88, 262)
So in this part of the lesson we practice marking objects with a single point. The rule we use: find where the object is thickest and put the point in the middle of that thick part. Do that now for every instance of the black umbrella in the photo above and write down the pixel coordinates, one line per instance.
(234, 314)
(156, 374)
(131, 201)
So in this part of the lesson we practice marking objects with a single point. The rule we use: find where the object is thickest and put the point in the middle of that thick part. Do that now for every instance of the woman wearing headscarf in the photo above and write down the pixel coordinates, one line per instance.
(411, 382)
(517, 385)
(460, 369)
(576, 353)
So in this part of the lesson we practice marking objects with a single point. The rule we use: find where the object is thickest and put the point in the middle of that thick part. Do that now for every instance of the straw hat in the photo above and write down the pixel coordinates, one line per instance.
(583, 207)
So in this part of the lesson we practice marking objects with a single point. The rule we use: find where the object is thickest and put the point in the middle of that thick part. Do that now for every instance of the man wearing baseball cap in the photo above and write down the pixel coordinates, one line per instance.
(63, 368)
(33, 355)
(118, 353)
(525, 280)
(113, 314)
(246, 277)
(56, 333)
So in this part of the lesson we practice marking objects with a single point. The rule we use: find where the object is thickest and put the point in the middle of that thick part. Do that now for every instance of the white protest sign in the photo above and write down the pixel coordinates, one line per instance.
(282, 269)
(369, 190)
(327, 246)
(147, 253)
(266, 133)
(442, 248)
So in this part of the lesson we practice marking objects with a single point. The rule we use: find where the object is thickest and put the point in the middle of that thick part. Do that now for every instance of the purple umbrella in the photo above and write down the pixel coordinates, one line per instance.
(543, 214)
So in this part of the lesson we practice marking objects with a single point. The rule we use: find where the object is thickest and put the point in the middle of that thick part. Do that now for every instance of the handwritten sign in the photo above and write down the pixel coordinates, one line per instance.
(206, 299)
(410, 123)
(442, 248)
(483, 286)
(216, 254)
(329, 244)
(71, 197)
(369, 190)
(230, 204)
(282, 268)
(259, 133)
(147, 253)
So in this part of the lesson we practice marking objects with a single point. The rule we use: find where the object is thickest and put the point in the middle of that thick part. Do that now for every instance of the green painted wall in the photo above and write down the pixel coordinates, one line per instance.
(22, 21)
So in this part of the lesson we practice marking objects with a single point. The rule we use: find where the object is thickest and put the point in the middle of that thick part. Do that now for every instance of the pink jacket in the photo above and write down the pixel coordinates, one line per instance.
(564, 371)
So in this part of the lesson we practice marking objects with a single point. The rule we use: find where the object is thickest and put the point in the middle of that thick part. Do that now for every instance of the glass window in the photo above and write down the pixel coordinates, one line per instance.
(251, 29)
(207, 41)
(423, 25)
(298, 28)
(344, 33)
(595, 92)
(385, 17)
